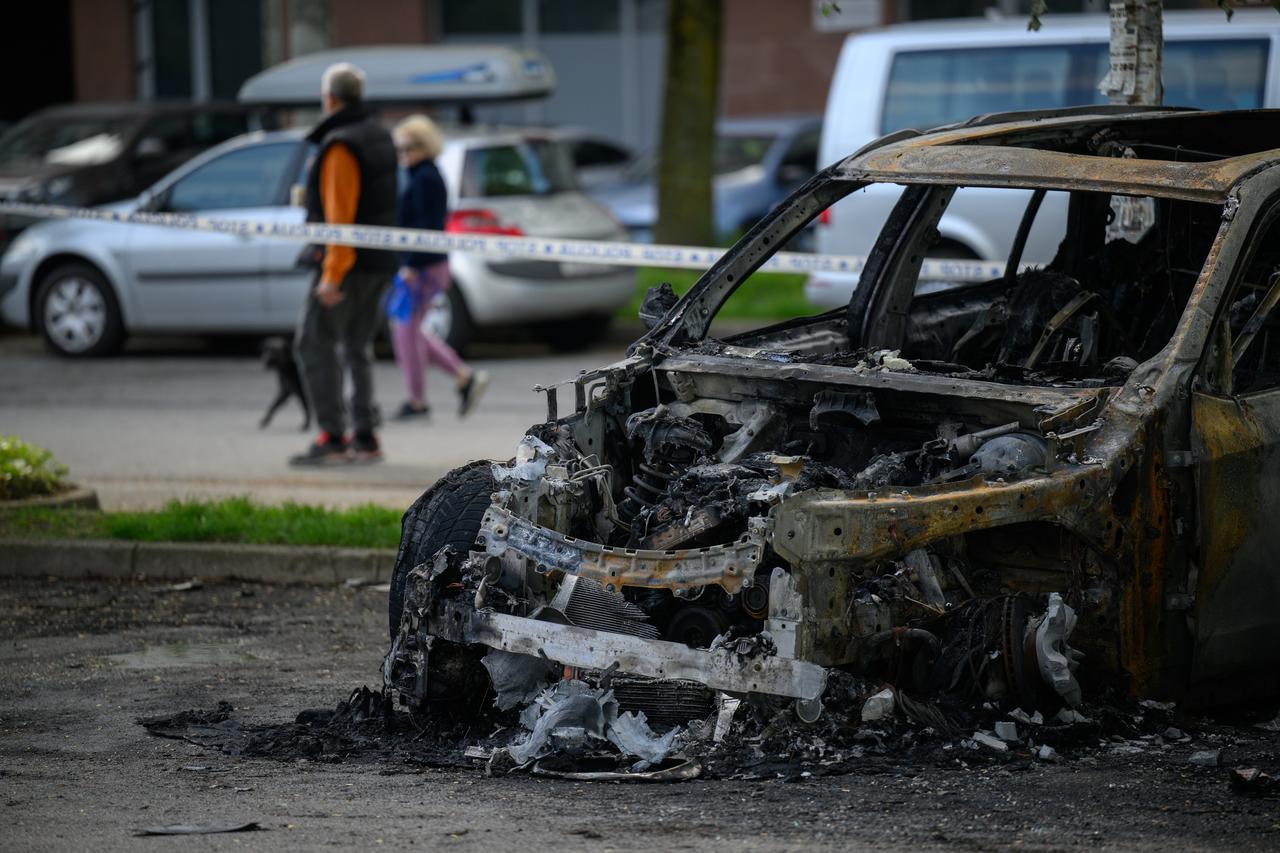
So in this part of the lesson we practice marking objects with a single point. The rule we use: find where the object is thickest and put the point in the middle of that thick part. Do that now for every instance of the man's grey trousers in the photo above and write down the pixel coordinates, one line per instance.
(328, 338)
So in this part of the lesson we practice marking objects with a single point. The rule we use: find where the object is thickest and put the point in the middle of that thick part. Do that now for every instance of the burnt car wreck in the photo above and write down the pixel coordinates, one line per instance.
(1010, 491)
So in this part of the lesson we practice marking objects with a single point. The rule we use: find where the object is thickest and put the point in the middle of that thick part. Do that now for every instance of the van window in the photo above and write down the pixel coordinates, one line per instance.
(536, 167)
(928, 88)
(1215, 75)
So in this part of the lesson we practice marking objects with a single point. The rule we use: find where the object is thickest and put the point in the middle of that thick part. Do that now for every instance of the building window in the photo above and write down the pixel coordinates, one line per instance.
(171, 46)
(571, 16)
(460, 17)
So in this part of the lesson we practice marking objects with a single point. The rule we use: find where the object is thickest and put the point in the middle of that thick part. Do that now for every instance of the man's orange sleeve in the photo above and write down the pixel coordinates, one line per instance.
(339, 194)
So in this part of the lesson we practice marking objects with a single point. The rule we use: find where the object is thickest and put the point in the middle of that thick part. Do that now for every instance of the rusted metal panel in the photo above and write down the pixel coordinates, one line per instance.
(1237, 442)
(982, 165)
(827, 525)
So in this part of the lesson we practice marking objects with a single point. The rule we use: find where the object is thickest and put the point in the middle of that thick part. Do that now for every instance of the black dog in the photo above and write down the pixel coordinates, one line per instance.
(277, 355)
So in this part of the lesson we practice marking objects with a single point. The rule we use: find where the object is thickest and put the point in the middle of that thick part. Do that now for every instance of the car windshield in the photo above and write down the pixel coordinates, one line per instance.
(733, 152)
(67, 140)
(532, 167)
(1109, 299)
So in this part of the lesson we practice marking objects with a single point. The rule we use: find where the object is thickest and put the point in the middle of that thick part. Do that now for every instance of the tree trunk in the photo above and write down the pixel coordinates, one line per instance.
(689, 105)
(1137, 39)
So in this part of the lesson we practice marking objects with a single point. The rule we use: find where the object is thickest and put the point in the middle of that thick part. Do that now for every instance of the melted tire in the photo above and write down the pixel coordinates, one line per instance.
(446, 515)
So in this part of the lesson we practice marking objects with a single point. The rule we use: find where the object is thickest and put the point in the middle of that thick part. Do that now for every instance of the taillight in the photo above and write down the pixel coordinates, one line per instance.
(824, 218)
(478, 221)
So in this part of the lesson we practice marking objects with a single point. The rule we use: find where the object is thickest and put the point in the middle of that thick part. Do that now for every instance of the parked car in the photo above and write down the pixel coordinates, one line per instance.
(924, 75)
(85, 285)
(598, 160)
(89, 154)
(954, 492)
(757, 163)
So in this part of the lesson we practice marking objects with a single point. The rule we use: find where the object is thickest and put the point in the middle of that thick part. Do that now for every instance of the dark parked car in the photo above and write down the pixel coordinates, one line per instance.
(88, 154)
(757, 162)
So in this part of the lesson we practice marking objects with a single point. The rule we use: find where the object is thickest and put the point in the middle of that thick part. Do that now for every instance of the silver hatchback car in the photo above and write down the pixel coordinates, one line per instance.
(85, 285)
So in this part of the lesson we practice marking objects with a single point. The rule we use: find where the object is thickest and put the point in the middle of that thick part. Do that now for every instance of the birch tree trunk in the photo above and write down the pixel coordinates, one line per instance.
(1137, 53)
(689, 104)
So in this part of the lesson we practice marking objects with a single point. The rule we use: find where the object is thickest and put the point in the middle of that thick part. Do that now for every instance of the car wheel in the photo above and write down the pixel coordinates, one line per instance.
(447, 514)
(77, 313)
(449, 319)
(576, 333)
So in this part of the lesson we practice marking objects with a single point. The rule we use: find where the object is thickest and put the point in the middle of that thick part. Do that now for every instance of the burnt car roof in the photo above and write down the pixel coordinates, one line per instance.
(1186, 154)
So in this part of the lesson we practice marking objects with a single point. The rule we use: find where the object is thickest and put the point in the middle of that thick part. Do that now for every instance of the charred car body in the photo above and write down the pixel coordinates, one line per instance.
(962, 489)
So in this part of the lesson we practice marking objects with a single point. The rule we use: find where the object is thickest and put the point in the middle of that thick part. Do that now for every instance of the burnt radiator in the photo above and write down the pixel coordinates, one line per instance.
(666, 704)
(590, 605)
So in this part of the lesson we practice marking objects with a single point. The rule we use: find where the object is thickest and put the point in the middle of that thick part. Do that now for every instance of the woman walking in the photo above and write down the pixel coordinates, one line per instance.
(423, 276)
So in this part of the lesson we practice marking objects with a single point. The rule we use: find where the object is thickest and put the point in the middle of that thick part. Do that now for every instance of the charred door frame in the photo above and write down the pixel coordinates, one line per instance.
(1235, 442)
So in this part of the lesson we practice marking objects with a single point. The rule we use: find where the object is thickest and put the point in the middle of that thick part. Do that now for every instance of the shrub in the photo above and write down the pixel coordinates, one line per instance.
(27, 470)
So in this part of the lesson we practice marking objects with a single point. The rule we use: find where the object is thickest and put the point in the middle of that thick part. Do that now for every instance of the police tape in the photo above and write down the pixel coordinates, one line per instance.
(495, 246)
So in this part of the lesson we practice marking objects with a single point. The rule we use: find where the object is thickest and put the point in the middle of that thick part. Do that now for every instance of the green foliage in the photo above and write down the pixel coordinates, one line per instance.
(27, 470)
(1038, 8)
(235, 520)
(763, 296)
(1229, 6)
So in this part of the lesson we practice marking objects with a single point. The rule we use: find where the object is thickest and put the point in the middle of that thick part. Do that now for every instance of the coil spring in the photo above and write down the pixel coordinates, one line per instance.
(649, 483)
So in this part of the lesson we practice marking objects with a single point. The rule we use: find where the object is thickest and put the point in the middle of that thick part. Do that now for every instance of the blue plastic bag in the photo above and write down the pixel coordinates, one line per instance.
(400, 300)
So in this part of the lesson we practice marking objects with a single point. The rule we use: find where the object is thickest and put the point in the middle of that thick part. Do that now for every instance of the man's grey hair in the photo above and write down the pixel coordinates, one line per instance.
(343, 81)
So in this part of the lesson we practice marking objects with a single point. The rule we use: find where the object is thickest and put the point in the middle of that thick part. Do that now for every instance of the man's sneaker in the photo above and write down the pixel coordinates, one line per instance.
(326, 450)
(471, 391)
(409, 410)
(365, 448)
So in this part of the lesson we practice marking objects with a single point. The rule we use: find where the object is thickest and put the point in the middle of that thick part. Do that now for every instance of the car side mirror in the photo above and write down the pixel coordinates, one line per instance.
(150, 148)
(791, 173)
(658, 302)
(151, 202)
(297, 196)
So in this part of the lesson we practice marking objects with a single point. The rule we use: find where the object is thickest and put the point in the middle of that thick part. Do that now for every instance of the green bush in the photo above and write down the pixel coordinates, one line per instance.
(27, 470)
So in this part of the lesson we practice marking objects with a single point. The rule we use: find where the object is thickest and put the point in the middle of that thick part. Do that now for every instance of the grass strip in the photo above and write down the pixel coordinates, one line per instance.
(234, 520)
(763, 296)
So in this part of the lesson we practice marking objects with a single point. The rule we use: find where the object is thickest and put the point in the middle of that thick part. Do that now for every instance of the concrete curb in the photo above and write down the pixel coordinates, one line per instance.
(76, 497)
(274, 564)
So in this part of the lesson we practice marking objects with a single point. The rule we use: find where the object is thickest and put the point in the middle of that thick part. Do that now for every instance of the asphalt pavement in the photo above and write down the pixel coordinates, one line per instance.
(174, 418)
(82, 662)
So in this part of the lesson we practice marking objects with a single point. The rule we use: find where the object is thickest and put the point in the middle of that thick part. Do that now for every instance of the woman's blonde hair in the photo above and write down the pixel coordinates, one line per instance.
(422, 133)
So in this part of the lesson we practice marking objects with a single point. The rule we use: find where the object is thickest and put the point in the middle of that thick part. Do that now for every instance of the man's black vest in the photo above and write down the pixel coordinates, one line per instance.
(371, 145)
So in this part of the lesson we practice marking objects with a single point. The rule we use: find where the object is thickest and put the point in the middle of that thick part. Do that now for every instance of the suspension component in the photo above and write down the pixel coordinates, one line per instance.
(669, 445)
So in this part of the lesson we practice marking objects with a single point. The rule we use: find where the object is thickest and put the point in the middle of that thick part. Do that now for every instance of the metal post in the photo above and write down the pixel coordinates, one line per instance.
(529, 26)
(201, 77)
(144, 50)
(629, 62)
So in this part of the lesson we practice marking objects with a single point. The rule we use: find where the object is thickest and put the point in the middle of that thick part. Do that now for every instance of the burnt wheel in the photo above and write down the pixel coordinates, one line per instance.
(447, 514)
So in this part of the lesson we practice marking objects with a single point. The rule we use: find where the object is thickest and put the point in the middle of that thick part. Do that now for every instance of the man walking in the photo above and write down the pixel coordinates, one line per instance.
(352, 180)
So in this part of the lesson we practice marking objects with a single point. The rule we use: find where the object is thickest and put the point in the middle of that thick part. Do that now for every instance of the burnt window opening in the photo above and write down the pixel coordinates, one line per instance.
(1251, 316)
(1109, 299)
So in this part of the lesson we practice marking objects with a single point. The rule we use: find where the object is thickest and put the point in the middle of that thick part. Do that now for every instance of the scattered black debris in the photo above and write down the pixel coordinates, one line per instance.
(1253, 781)
(199, 828)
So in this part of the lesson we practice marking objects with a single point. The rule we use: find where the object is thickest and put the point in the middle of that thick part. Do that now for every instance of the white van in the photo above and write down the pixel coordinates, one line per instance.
(924, 75)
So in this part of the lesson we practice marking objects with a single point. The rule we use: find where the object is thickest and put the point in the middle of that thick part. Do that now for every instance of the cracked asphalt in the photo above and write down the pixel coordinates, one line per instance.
(81, 661)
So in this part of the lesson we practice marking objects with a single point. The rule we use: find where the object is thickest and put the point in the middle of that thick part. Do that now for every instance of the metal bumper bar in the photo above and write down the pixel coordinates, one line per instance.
(721, 669)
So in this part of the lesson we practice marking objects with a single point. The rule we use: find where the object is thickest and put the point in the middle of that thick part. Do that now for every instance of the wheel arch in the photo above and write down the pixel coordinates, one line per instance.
(65, 258)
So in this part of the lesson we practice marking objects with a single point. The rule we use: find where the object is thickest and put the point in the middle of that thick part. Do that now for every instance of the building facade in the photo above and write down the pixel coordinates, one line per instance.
(777, 56)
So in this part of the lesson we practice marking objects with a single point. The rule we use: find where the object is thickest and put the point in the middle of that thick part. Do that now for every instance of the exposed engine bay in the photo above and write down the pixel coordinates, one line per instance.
(655, 531)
